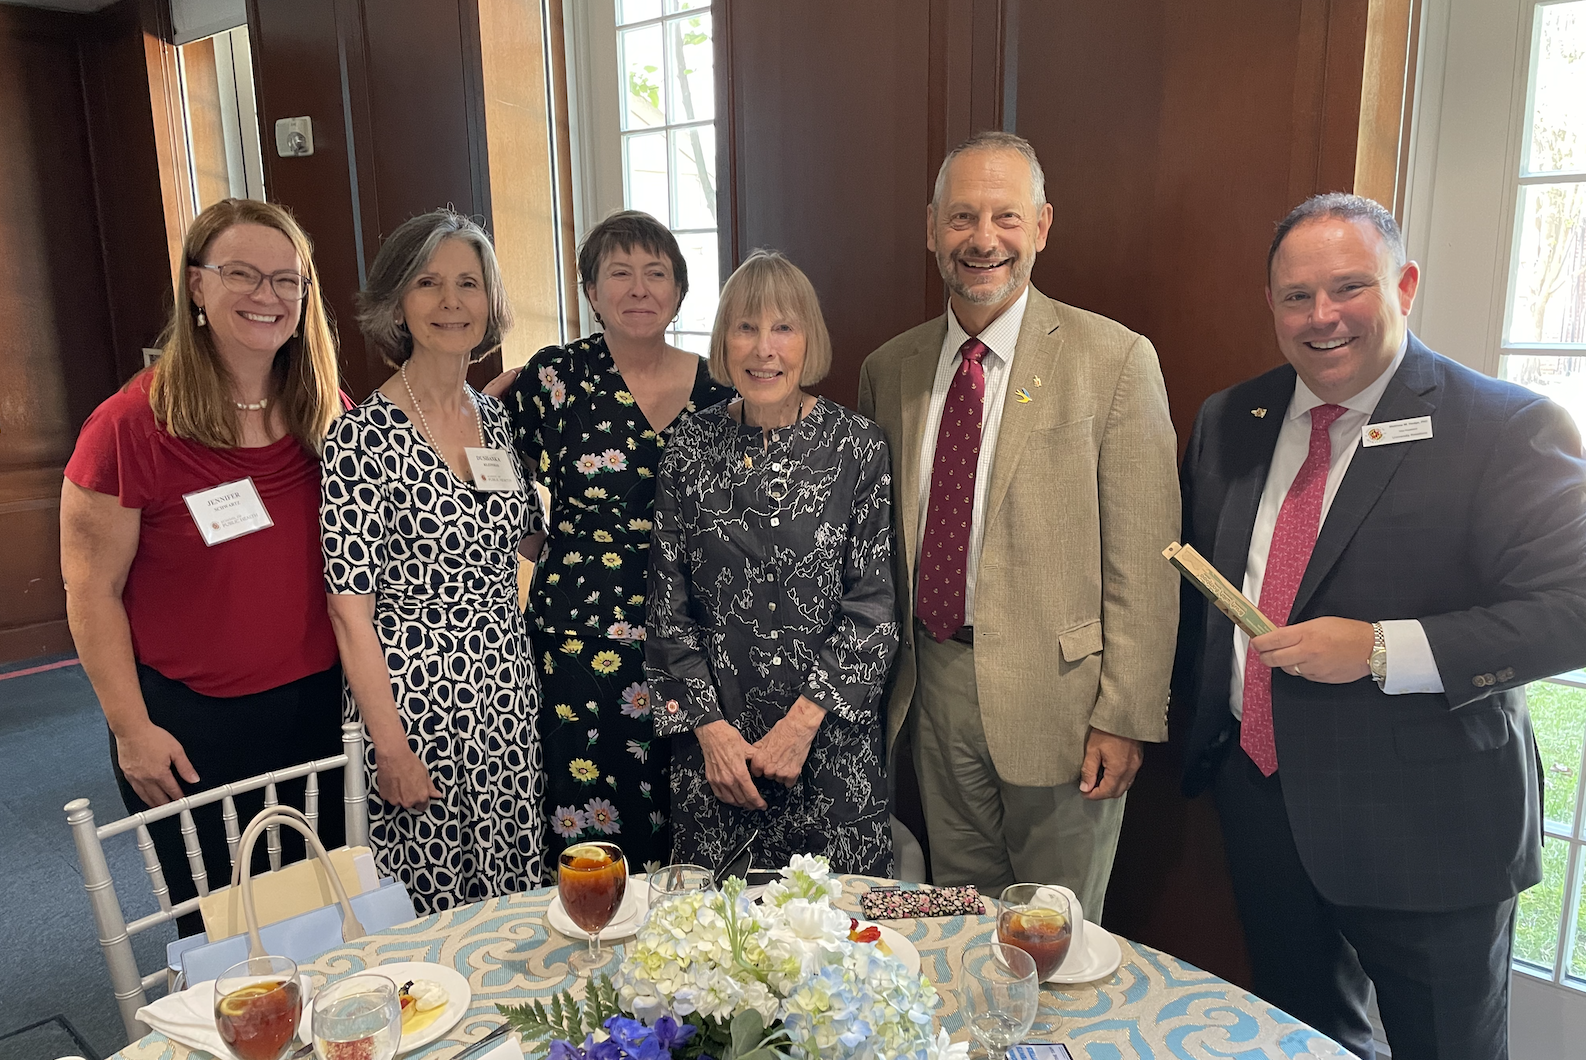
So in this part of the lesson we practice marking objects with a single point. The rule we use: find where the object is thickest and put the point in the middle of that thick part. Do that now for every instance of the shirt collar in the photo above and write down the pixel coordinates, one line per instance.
(1000, 336)
(1305, 399)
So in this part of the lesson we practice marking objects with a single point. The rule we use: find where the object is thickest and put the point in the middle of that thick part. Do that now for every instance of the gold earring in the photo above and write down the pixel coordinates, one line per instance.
(202, 319)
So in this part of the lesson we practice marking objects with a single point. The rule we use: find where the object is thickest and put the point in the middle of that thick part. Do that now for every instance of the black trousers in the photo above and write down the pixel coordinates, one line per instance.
(231, 739)
(1442, 978)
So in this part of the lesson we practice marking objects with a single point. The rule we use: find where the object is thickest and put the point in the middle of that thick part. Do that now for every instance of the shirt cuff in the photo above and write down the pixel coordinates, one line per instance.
(1411, 667)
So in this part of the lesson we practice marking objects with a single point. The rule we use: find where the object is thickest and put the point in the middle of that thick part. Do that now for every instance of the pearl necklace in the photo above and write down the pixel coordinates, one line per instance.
(253, 406)
(478, 422)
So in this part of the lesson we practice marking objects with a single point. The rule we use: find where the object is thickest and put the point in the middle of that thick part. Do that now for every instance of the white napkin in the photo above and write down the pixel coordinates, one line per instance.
(506, 1049)
(188, 1016)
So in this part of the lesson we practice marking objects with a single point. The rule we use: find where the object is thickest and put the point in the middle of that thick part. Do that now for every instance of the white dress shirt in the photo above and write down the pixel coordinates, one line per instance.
(1000, 337)
(1411, 667)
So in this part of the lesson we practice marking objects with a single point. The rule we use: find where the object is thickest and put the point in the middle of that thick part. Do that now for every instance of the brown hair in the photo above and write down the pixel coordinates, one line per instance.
(768, 281)
(404, 255)
(1344, 207)
(189, 390)
(625, 230)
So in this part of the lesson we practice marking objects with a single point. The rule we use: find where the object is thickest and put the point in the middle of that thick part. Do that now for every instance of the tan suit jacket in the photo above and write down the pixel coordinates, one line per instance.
(1075, 609)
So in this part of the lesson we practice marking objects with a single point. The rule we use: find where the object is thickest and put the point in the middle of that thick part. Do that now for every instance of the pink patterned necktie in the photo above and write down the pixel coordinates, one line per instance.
(1293, 538)
(944, 551)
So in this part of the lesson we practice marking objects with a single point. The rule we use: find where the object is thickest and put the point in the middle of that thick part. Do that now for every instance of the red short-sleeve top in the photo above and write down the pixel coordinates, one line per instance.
(230, 619)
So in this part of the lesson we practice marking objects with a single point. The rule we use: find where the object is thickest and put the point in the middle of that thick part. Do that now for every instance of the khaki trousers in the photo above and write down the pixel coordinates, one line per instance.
(983, 830)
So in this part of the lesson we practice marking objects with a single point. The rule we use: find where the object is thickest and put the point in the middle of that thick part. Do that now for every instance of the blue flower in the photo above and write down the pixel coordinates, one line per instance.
(562, 1050)
(672, 1034)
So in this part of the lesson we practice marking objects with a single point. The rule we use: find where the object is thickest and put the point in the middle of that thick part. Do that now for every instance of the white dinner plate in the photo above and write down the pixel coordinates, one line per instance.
(1100, 958)
(458, 998)
(901, 948)
(635, 904)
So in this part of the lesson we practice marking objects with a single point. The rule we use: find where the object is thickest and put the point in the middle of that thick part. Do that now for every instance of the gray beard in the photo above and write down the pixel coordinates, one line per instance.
(1018, 277)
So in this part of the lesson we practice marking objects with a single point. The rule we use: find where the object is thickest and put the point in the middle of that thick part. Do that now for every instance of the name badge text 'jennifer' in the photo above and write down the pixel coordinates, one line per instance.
(230, 510)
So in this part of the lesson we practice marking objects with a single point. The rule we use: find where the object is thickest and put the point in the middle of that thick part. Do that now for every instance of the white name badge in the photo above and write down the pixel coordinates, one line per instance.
(494, 469)
(1393, 431)
(227, 511)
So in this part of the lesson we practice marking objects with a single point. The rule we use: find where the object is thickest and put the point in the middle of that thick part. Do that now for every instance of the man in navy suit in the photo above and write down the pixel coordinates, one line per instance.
(1418, 532)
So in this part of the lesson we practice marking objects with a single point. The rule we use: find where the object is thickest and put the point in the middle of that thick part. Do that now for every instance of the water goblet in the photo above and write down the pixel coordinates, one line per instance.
(1001, 996)
(591, 879)
(675, 881)
(257, 1006)
(358, 1018)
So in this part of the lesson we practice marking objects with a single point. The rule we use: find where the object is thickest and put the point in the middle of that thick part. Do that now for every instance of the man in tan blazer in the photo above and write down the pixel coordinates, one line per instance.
(1034, 469)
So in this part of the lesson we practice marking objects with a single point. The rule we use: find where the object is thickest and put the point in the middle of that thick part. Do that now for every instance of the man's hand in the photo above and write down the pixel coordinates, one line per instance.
(1117, 758)
(147, 757)
(780, 754)
(726, 764)
(1333, 651)
(499, 385)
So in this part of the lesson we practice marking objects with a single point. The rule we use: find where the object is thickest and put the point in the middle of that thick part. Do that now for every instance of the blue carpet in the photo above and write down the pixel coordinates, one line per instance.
(53, 749)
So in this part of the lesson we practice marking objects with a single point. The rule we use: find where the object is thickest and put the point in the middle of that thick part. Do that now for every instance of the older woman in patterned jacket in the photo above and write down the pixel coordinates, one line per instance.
(771, 625)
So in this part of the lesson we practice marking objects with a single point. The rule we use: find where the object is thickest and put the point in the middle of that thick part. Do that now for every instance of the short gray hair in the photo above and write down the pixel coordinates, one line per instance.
(994, 141)
(1345, 207)
(403, 256)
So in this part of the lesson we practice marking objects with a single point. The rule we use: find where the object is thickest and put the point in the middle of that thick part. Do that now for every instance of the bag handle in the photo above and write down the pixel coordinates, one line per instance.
(242, 873)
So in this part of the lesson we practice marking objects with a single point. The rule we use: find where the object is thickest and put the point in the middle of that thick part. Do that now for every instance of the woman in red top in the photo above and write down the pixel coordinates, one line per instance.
(190, 537)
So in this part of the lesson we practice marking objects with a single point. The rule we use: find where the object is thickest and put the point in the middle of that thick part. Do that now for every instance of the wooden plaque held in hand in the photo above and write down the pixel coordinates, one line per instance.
(1219, 590)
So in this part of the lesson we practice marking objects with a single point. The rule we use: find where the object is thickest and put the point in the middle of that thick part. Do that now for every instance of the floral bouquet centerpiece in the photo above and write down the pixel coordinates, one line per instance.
(714, 975)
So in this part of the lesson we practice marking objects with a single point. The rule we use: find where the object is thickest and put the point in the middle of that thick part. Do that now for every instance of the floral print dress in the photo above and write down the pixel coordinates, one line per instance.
(575, 421)
(772, 579)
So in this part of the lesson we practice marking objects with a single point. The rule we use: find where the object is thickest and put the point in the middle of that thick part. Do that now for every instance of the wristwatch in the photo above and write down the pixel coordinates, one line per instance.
(1379, 654)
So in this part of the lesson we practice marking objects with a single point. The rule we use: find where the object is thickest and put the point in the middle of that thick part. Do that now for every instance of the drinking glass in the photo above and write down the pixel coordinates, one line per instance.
(1037, 919)
(358, 1018)
(257, 1005)
(591, 879)
(1001, 995)
(677, 880)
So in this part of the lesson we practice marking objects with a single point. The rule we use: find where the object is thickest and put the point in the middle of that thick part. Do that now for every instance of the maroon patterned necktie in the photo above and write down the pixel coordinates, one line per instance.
(945, 549)
(1293, 539)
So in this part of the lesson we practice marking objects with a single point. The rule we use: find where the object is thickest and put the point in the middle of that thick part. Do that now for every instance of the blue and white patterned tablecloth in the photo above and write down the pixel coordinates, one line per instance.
(1154, 1007)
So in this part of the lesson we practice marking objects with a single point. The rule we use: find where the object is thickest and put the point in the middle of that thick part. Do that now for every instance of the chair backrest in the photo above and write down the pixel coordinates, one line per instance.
(115, 933)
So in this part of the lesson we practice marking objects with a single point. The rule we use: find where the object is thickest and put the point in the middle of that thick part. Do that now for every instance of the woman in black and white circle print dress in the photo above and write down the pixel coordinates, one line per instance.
(425, 511)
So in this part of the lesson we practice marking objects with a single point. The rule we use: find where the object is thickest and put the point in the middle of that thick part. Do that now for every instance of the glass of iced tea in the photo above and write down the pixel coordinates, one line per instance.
(1036, 918)
(591, 879)
(257, 1005)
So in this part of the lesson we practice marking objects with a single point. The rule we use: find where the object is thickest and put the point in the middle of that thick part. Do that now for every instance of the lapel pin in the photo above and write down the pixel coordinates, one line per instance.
(748, 461)
(1259, 414)
(1023, 395)
(1037, 380)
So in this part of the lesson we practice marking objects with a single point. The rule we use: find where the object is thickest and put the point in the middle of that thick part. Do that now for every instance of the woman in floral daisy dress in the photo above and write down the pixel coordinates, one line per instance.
(594, 417)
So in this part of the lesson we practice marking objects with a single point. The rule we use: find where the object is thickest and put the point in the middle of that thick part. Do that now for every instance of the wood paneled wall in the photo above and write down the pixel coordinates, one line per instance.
(85, 284)
(1173, 136)
(397, 94)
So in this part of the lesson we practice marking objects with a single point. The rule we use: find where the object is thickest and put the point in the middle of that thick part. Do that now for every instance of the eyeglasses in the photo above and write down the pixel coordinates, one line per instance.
(290, 286)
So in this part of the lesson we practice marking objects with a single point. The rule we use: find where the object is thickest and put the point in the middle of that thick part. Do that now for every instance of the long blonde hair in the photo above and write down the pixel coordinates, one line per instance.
(190, 392)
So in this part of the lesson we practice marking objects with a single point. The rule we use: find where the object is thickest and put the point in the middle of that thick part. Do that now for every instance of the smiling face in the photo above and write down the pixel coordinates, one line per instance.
(635, 295)
(1339, 303)
(445, 307)
(986, 231)
(765, 360)
(256, 323)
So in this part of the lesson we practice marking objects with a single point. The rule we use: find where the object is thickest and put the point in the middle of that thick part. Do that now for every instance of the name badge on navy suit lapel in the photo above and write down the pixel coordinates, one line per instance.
(1390, 432)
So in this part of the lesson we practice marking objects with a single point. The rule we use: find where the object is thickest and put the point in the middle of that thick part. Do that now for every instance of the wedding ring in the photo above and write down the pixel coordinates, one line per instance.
(1297, 671)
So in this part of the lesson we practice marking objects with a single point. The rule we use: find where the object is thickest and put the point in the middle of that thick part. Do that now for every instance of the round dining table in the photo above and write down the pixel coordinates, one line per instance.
(1154, 1007)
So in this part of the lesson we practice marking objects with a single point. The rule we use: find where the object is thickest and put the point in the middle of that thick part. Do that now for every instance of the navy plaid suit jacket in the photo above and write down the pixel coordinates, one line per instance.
(1409, 802)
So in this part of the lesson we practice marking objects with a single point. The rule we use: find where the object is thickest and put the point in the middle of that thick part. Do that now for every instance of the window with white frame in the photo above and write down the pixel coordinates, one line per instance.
(1543, 347)
(668, 130)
